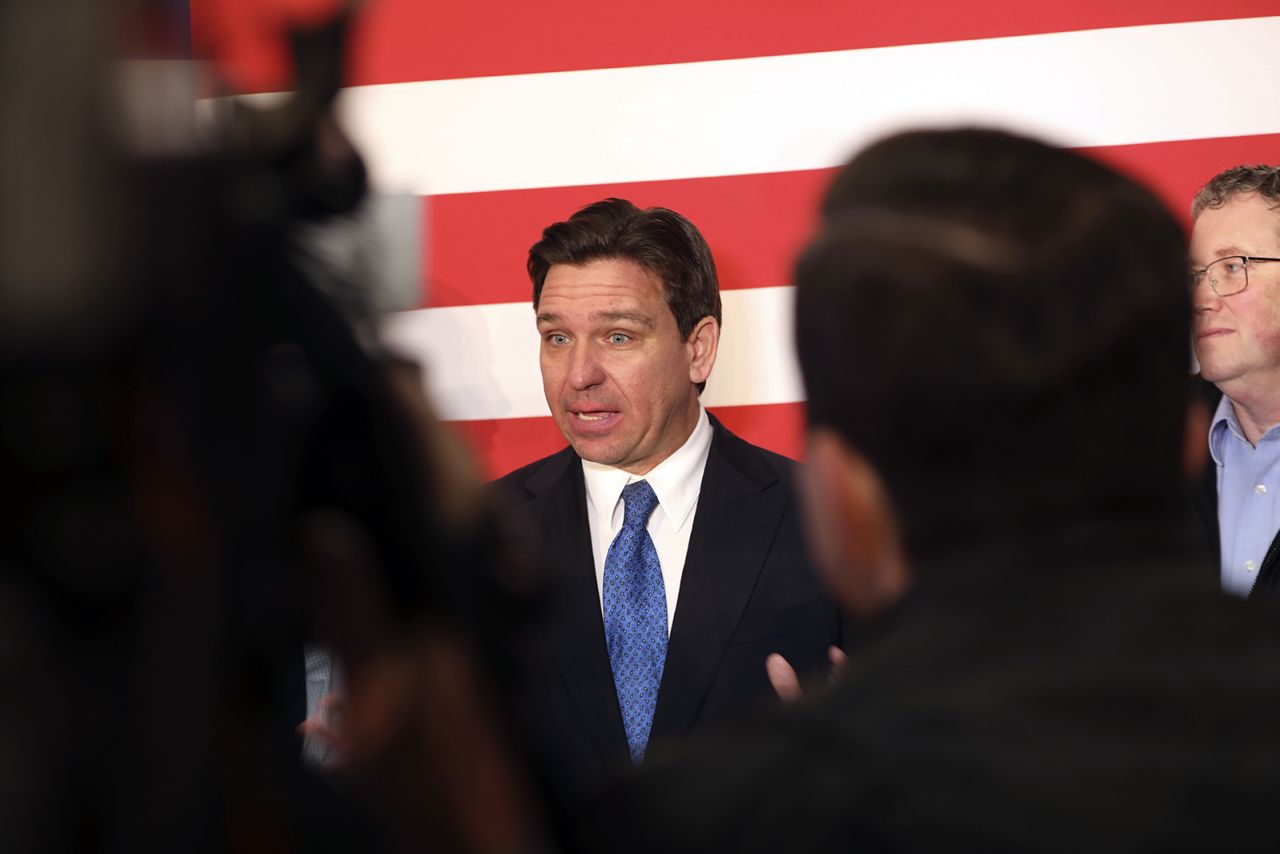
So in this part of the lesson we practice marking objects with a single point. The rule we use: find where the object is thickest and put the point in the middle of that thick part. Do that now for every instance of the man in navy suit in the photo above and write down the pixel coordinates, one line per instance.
(643, 648)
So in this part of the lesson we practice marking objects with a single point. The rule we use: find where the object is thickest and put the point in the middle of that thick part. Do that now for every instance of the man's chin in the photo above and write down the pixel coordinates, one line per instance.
(1214, 370)
(605, 450)
(597, 452)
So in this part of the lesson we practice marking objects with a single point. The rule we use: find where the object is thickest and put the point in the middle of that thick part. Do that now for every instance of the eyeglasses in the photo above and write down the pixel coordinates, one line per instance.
(1227, 276)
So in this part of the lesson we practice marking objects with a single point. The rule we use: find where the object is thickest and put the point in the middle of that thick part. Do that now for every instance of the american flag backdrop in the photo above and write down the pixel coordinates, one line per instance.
(505, 117)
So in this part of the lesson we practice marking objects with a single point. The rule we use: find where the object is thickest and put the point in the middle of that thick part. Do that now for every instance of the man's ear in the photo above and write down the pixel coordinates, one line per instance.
(702, 343)
(852, 529)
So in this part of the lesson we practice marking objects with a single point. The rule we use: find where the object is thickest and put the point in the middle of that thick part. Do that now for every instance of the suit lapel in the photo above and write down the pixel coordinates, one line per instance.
(575, 634)
(736, 521)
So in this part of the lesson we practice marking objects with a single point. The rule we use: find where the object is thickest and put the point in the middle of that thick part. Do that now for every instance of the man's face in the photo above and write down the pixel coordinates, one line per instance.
(619, 379)
(1237, 338)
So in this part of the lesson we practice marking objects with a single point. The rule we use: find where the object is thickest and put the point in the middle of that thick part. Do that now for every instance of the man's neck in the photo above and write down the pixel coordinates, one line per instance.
(1257, 410)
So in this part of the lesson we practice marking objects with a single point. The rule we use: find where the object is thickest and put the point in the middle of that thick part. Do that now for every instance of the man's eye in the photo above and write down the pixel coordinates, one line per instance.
(619, 338)
(556, 339)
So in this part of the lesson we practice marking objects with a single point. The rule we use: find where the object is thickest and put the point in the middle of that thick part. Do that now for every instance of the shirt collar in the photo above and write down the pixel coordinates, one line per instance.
(676, 481)
(1224, 423)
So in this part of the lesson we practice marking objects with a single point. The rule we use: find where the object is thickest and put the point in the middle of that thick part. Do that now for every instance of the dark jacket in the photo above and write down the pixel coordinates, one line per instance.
(748, 589)
(1086, 690)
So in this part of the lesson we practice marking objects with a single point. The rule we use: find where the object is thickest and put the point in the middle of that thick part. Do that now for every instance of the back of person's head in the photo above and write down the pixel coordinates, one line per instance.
(1000, 329)
(659, 240)
(1238, 180)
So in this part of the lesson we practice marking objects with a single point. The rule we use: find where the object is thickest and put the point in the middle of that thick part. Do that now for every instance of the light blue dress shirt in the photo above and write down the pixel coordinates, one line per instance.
(1248, 486)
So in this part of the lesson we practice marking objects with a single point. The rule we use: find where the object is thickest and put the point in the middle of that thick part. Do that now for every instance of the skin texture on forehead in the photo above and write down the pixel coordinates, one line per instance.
(618, 377)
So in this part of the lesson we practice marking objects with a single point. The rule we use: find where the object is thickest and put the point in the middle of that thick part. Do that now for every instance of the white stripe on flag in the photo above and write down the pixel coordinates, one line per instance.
(482, 361)
(1096, 87)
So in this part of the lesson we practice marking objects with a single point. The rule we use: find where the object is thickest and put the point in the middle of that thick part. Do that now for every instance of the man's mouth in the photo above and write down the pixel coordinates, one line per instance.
(1211, 332)
(591, 415)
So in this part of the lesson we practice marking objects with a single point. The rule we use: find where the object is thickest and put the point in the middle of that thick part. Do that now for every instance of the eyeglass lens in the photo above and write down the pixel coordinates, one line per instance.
(1228, 275)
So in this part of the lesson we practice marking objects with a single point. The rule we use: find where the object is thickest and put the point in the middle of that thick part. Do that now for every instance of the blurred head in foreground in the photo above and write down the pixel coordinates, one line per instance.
(993, 335)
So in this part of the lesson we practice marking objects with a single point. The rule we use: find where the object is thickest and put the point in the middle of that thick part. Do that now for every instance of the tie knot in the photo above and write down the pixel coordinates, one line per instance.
(639, 500)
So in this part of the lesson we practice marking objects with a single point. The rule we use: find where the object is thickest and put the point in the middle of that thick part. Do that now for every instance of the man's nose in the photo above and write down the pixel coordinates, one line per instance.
(1203, 296)
(585, 369)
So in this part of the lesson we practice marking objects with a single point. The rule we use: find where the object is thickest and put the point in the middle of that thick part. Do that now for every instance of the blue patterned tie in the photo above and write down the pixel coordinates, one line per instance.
(635, 616)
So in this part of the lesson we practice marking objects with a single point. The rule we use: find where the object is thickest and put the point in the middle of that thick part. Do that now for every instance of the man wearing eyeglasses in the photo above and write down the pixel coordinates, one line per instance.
(1235, 288)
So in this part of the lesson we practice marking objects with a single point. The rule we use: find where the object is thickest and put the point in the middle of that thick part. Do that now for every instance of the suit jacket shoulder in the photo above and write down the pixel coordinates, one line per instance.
(533, 479)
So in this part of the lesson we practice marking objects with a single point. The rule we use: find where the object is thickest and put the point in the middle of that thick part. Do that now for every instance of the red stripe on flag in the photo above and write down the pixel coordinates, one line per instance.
(500, 446)
(1177, 170)
(478, 242)
(777, 426)
(404, 40)
(503, 445)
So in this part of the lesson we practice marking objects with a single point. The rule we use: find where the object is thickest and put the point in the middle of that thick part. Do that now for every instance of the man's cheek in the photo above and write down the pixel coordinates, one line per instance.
(1267, 334)
(550, 382)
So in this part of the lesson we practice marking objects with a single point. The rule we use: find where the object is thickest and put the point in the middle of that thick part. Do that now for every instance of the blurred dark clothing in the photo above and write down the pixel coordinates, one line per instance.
(748, 590)
(206, 462)
(1204, 498)
(1084, 690)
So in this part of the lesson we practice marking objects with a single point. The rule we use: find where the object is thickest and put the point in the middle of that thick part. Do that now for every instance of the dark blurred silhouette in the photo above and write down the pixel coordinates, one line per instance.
(205, 463)
(994, 339)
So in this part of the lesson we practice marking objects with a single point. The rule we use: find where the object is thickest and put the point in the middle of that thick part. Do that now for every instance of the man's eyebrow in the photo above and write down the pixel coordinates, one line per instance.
(1219, 254)
(545, 317)
(638, 319)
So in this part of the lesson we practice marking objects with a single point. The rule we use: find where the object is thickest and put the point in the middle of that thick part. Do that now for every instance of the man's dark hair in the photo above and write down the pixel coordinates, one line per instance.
(1001, 328)
(659, 240)
(1261, 179)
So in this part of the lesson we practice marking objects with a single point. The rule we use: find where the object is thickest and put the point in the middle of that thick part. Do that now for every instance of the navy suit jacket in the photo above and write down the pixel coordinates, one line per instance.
(748, 589)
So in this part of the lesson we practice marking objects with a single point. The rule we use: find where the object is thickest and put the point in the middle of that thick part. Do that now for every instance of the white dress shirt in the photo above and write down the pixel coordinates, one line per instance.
(677, 481)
